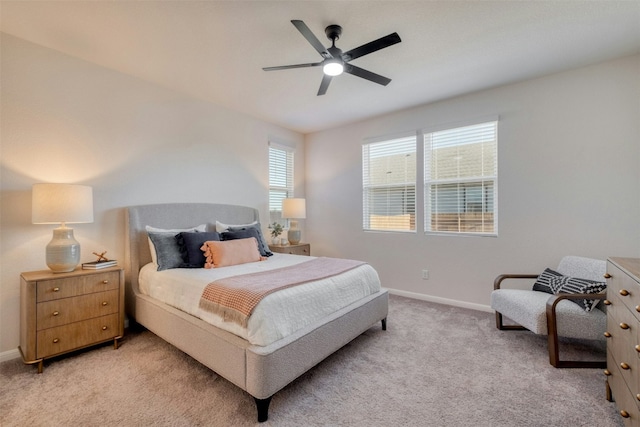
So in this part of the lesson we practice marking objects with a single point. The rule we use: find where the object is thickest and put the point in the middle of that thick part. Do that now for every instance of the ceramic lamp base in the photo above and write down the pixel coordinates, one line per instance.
(293, 236)
(63, 251)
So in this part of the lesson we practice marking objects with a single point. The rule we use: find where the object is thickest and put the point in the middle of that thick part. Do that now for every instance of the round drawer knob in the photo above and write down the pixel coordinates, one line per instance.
(607, 302)
(624, 292)
(55, 313)
(104, 328)
(56, 289)
(105, 282)
(607, 276)
(624, 325)
(638, 396)
(607, 372)
(607, 334)
(104, 303)
(638, 348)
(625, 366)
(56, 340)
(624, 414)
(638, 308)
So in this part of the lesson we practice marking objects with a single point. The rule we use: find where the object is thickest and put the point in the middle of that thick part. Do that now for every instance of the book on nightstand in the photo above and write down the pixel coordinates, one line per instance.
(96, 265)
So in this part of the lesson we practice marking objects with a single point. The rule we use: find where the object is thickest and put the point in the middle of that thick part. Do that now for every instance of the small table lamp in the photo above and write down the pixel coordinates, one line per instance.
(294, 209)
(62, 203)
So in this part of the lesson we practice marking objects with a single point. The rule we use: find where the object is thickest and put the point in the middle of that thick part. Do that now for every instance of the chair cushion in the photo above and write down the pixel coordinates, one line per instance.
(529, 309)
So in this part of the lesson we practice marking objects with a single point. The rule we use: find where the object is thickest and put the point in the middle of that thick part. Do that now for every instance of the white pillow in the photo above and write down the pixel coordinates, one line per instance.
(221, 228)
(152, 248)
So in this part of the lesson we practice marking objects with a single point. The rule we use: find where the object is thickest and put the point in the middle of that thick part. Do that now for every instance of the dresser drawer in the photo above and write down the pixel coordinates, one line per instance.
(623, 330)
(57, 340)
(68, 310)
(627, 408)
(48, 290)
(624, 286)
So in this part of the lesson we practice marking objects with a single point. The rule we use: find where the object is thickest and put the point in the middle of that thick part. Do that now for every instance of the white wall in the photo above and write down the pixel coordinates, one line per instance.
(569, 183)
(65, 120)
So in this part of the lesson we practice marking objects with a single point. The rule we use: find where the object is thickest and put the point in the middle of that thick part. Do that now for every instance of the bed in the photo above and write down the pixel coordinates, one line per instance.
(260, 370)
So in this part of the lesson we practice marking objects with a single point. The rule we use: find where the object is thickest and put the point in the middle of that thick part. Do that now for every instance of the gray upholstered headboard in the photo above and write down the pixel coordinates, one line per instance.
(170, 215)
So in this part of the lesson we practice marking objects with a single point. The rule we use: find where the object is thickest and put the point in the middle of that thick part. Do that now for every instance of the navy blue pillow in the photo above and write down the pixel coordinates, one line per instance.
(245, 234)
(263, 247)
(190, 244)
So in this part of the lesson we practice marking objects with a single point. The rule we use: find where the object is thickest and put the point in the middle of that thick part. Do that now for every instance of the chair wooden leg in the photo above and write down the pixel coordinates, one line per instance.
(552, 343)
(500, 325)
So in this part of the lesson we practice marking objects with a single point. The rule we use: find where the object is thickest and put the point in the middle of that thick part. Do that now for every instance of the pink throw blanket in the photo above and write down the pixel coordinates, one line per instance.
(234, 298)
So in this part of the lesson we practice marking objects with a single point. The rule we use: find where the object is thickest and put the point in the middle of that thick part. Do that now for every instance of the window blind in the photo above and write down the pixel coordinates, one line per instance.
(460, 172)
(389, 185)
(280, 180)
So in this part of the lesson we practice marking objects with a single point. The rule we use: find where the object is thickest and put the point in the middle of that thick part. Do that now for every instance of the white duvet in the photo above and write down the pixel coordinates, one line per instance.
(278, 314)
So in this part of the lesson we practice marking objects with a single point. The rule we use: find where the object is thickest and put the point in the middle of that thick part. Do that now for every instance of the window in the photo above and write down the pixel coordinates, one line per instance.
(460, 174)
(389, 185)
(280, 180)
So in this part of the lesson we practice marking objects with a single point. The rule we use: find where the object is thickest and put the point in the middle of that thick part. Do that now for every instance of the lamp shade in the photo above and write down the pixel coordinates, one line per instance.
(294, 208)
(61, 203)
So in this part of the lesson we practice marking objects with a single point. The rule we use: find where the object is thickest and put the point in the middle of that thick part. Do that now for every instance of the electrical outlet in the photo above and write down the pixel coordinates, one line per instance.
(425, 274)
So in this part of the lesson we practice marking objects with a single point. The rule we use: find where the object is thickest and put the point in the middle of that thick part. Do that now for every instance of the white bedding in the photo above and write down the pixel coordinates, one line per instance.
(278, 314)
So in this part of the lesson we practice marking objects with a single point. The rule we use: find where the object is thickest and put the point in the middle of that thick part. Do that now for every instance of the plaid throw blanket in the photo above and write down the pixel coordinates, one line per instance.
(235, 298)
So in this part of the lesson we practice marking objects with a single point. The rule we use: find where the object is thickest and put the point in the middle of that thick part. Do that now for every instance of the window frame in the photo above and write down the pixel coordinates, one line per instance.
(464, 181)
(405, 187)
(287, 168)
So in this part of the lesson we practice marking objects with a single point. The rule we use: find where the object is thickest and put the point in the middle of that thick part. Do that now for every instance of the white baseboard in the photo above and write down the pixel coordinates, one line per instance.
(439, 300)
(9, 355)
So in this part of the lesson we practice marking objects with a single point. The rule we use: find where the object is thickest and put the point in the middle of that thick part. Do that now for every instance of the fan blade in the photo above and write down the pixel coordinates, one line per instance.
(361, 72)
(311, 38)
(370, 47)
(324, 85)
(288, 67)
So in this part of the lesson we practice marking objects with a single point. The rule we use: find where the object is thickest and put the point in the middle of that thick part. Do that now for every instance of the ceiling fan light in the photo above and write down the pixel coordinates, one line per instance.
(333, 68)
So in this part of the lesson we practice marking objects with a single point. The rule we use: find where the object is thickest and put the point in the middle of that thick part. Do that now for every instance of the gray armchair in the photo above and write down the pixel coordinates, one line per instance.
(554, 315)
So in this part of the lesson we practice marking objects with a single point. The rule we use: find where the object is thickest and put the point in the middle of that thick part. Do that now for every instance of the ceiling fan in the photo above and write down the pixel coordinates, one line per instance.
(335, 62)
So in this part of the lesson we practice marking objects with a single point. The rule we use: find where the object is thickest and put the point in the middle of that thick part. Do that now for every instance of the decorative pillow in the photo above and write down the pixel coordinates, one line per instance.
(189, 244)
(572, 285)
(263, 246)
(543, 282)
(166, 249)
(231, 252)
(174, 231)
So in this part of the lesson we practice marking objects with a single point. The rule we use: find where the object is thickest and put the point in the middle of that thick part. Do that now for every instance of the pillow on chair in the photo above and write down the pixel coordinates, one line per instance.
(543, 282)
(572, 285)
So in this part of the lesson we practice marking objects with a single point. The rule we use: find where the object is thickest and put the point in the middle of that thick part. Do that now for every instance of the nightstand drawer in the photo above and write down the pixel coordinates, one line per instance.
(300, 249)
(76, 335)
(48, 290)
(68, 310)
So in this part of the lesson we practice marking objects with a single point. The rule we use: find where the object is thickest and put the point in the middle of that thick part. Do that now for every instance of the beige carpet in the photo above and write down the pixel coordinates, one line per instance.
(435, 366)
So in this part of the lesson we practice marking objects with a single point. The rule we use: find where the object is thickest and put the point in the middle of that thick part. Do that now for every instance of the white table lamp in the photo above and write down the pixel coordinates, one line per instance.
(62, 203)
(294, 209)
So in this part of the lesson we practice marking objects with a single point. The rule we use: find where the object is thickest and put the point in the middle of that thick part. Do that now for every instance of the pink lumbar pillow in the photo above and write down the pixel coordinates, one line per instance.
(231, 252)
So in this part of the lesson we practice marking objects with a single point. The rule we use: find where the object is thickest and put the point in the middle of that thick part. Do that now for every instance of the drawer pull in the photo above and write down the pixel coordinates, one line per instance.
(607, 372)
(56, 340)
(105, 282)
(624, 325)
(638, 308)
(607, 334)
(607, 302)
(624, 414)
(55, 313)
(607, 276)
(104, 328)
(638, 396)
(638, 348)
(104, 303)
(624, 292)
(625, 366)
(56, 289)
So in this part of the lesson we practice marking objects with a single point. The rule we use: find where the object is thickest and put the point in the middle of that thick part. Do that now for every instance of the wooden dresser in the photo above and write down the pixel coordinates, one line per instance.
(623, 337)
(299, 249)
(63, 312)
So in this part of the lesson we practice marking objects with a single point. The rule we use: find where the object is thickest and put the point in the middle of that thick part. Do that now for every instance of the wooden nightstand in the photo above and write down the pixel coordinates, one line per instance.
(63, 312)
(299, 249)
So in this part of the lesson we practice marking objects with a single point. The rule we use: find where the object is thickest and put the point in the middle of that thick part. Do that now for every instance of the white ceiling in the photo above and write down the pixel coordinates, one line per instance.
(215, 50)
